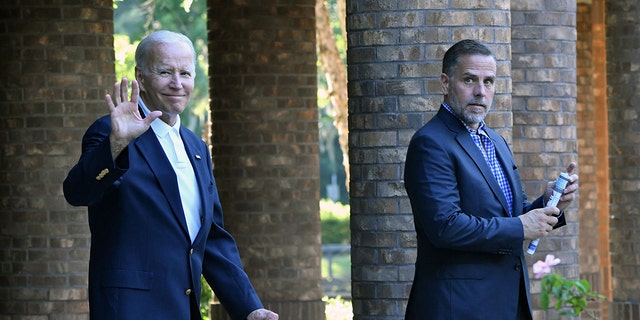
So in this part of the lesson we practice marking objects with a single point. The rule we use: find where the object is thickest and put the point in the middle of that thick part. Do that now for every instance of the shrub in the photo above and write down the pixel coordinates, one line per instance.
(334, 219)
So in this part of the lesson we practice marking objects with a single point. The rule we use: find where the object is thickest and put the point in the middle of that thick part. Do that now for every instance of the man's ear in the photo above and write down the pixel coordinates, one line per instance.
(444, 83)
(139, 77)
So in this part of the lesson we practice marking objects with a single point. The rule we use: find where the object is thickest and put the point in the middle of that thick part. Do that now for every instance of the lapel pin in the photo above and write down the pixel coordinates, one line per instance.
(102, 174)
(198, 156)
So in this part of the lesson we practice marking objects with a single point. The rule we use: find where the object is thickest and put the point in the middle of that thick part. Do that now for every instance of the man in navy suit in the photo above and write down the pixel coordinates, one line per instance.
(154, 214)
(470, 212)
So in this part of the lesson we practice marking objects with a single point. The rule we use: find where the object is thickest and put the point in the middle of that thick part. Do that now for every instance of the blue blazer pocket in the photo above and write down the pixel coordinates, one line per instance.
(132, 279)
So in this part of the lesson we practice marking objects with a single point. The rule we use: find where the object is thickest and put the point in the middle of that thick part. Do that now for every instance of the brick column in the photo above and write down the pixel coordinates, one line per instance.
(623, 42)
(56, 63)
(394, 64)
(265, 146)
(544, 113)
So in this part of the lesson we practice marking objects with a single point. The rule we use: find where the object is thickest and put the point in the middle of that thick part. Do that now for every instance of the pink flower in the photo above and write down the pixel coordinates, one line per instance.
(541, 268)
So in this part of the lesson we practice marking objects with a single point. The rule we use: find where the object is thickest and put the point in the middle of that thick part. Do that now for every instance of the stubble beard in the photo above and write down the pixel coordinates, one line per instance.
(470, 118)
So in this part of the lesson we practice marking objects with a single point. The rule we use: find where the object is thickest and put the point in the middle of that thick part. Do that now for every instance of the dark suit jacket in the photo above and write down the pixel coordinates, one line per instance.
(143, 264)
(470, 259)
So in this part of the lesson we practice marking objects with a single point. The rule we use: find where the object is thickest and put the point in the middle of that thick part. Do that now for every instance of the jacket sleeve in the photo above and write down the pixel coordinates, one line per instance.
(224, 272)
(96, 171)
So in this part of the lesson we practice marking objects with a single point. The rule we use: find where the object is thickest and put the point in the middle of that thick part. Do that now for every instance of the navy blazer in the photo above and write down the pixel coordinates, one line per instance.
(470, 259)
(143, 264)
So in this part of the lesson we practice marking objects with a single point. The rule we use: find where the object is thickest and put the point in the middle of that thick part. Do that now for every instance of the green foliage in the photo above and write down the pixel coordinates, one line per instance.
(571, 296)
(335, 21)
(206, 296)
(334, 219)
(125, 61)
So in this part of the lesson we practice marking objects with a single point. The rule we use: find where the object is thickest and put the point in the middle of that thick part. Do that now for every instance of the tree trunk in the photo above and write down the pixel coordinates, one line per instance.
(335, 71)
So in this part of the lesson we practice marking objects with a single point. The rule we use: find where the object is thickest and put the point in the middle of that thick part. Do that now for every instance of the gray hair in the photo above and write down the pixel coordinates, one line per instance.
(160, 37)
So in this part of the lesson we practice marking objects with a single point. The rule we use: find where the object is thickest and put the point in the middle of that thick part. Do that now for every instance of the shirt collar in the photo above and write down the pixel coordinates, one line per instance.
(159, 127)
(471, 130)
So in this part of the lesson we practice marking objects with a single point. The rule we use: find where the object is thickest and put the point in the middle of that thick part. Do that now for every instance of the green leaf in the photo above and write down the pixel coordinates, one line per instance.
(544, 300)
(570, 296)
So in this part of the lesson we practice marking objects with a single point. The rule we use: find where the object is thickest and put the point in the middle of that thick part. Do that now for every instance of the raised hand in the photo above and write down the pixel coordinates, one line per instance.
(126, 121)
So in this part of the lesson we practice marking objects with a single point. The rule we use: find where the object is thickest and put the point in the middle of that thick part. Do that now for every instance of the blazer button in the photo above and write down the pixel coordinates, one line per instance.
(188, 292)
(191, 251)
(516, 267)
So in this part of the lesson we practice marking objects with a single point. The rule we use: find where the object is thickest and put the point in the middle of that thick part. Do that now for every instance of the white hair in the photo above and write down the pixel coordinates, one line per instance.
(160, 37)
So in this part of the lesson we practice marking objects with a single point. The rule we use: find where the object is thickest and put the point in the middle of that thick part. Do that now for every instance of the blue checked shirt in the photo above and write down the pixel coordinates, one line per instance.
(484, 143)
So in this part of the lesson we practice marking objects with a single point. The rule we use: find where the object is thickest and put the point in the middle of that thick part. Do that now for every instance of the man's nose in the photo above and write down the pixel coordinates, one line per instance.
(176, 81)
(479, 90)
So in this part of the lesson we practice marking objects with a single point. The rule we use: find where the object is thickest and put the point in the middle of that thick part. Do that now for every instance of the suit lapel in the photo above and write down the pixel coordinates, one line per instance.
(151, 150)
(506, 161)
(466, 142)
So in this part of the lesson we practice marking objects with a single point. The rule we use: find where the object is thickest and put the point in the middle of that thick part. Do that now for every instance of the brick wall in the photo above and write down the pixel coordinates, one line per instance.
(265, 145)
(56, 61)
(624, 136)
